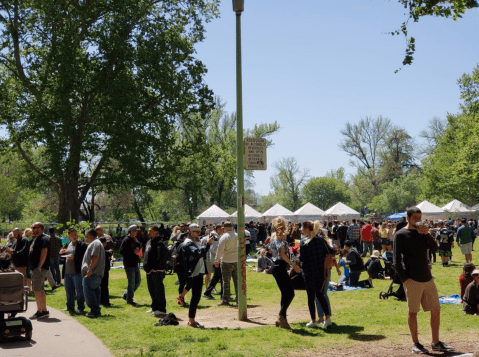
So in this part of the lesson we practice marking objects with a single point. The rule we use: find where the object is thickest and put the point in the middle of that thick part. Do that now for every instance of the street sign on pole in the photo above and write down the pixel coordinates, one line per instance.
(255, 154)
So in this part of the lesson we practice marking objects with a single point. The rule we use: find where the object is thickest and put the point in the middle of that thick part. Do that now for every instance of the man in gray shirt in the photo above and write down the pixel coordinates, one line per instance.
(227, 253)
(93, 268)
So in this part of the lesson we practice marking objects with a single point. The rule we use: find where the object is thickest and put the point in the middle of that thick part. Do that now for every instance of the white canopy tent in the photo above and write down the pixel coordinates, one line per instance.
(309, 212)
(340, 212)
(250, 214)
(212, 215)
(278, 210)
(457, 209)
(431, 212)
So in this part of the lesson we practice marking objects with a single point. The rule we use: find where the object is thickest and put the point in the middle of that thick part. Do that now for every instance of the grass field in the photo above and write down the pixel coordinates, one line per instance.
(358, 317)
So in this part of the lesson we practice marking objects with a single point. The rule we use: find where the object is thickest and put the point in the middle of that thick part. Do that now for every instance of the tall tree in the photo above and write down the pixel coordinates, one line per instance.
(363, 142)
(434, 131)
(288, 182)
(451, 168)
(100, 80)
(325, 192)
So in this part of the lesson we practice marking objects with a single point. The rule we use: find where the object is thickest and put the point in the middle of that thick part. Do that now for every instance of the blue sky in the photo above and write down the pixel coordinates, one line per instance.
(313, 66)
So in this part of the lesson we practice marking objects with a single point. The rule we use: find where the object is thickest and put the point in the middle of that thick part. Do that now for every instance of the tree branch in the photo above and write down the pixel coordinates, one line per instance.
(34, 168)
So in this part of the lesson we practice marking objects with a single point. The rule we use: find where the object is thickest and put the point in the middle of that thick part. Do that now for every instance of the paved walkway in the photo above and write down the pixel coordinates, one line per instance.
(58, 336)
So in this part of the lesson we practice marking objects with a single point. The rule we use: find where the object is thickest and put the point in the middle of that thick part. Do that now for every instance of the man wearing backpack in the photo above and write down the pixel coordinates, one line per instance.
(154, 264)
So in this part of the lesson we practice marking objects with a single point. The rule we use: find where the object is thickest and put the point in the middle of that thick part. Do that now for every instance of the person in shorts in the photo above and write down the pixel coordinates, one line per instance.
(445, 237)
(39, 258)
(464, 239)
(411, 264)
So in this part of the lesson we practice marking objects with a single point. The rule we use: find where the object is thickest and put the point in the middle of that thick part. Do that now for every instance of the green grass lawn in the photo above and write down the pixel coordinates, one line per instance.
(358, 316)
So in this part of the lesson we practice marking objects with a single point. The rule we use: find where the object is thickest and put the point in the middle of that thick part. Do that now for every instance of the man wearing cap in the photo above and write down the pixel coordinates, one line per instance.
(411, 264)
(464, 239)
(130, 249)
(39, 259)
(93, 268)
(74, 253)
(228, 255)
(470, 300)
(154, 264)
(445, 237)
(193, 257)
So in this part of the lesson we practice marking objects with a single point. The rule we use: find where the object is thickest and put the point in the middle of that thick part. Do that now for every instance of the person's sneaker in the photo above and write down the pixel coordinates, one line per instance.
(327, 323)
(44, 315)
(150, 311)
(124, 296)
(159, 313)
(195, 324)
(223, 303)
(181, 300)
(132, 303)
(418, 348)
(209, 297)
(312, 324)
(441, 346)
(93, 315)
(36, 315)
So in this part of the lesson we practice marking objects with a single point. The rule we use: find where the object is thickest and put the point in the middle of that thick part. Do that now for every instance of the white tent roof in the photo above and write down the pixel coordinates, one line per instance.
(475, 208)
(248, 212)
(457, 206)
(278, 210)
(309, 210)
(427, 207)
(340, 209)
(214, 212)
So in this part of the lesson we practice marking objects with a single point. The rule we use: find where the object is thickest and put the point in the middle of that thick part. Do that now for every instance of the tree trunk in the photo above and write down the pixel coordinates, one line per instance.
(69, 203)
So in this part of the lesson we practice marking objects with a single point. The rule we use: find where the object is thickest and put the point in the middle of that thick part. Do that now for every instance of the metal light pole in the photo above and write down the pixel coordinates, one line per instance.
(238, 7)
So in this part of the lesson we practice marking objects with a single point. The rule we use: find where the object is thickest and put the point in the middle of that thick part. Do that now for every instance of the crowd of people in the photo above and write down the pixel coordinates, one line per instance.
(203, 257)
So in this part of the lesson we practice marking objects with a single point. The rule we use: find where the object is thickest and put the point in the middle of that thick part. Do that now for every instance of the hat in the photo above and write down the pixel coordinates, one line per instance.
(475, 272)
(194, 227)
(102, 239)
(375, 254)
(133, 227)
(72, 230)
(227, 224)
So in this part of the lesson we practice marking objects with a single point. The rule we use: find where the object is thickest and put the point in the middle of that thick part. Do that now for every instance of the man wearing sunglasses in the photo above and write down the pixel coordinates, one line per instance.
(39, 258)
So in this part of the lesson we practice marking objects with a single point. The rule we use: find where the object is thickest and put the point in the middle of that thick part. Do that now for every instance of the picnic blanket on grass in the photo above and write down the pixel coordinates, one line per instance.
(450, 299)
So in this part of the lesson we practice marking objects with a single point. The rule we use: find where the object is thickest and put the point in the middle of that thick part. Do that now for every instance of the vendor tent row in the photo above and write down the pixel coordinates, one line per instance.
(340, 211)
(454, 209)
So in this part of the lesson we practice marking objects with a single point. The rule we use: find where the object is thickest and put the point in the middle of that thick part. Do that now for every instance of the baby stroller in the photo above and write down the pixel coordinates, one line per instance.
(13, 299)
(399, 293)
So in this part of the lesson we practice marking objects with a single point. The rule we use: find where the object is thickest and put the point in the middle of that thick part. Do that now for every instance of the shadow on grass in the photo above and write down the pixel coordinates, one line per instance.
(353, 333)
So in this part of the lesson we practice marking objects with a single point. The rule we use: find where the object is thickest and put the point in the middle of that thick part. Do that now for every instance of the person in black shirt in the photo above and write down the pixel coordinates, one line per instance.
(154, 264)
(411, 264)
(39, 258)
(130, 249)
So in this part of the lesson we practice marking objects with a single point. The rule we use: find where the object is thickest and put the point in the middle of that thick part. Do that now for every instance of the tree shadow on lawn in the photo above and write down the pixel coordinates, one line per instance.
(353, 332)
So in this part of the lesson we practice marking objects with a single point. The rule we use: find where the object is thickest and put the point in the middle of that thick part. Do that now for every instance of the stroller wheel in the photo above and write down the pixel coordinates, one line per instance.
(383, 295)
(28, 335)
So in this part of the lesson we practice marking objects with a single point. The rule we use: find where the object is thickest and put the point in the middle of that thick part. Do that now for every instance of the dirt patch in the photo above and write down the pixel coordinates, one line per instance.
(227, 316)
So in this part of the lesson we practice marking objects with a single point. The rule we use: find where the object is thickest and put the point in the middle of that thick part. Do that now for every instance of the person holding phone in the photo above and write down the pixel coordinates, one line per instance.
(411, 264)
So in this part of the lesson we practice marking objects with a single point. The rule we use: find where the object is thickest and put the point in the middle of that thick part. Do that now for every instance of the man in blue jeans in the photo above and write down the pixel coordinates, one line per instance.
(93, 268)
(130, 249)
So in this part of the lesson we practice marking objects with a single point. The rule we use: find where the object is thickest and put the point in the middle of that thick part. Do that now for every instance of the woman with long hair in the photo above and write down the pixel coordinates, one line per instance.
(281, 262)
(313, 250)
